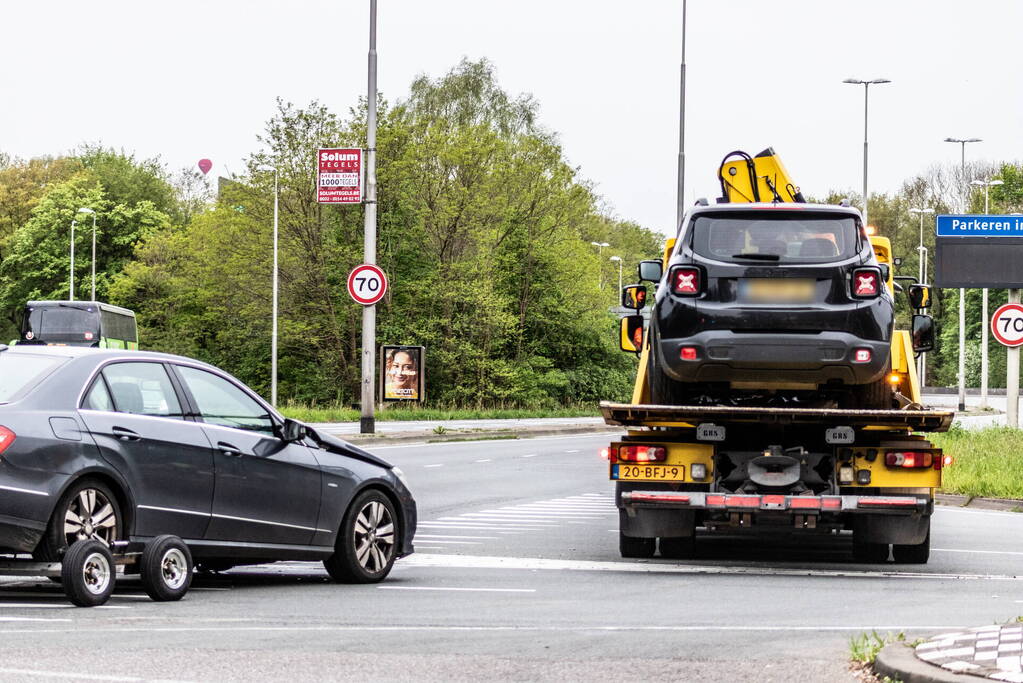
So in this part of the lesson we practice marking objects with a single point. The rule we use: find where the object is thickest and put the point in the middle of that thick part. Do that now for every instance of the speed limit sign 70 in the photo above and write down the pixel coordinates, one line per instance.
(1007, 324)
(367, 284)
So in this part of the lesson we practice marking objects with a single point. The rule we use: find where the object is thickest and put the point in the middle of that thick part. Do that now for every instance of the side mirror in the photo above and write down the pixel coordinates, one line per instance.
(293, 430)
(923, 333)
(650, 271)
(919, 296)
(886, 271)
(631, 337)
(634, 297)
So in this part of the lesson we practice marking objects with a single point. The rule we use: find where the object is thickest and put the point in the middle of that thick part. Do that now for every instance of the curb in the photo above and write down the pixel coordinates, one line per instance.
(430, 437)
(900, 663)
(957, 500)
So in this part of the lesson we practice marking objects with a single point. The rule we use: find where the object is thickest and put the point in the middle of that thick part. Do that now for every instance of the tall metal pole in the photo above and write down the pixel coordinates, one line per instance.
(962, 292)
(273, 334)
(680, 199)
(367, 424)
(71, 287)
(983, 325)
(866, 91)
(1012, 376)
(93, 255)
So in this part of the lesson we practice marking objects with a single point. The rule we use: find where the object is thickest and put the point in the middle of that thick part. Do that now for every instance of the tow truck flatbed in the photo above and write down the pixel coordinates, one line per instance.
(642, 415)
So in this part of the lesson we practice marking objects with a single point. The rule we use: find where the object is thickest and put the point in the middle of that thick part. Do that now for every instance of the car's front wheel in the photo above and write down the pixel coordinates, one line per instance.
(88, 510)
(367, 543)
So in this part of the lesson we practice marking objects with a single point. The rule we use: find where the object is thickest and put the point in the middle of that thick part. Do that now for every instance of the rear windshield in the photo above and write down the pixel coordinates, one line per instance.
(20, 372)
(775, 237)
(61, 324)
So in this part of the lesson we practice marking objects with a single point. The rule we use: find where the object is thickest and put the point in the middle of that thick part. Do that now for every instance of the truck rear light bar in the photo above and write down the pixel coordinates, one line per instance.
(888, 502)
(648, 497)
(771, 502)
(913, 459)
(641, 454)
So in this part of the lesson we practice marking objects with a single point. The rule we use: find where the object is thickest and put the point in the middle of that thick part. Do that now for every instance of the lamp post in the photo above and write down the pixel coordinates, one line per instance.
(71, 283)
(922, 275)
(866, 89)
(273, 332)
(962, 292)
(87, 210)
(619, 260)
(680, 197)
(984, 313)
(600, 273)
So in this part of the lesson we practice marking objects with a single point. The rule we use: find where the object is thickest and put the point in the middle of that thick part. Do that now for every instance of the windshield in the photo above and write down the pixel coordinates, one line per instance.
(20, 372)
(61, 324)
(775, 237)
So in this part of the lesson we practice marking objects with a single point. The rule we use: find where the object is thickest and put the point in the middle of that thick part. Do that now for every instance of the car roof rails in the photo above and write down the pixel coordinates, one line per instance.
(845, 202)
(702, 201)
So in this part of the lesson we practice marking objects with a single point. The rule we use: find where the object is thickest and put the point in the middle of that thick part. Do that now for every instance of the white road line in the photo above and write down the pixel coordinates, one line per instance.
(5, 619)
(486, 460)
(51, 605)
(468, 590)
(528, 563)
(74, 675)
(440, 526)
(530, 455)
(979, 552)
(573, 451)
(437, 464)
(508, 523)
(436, 542)
(492, 538)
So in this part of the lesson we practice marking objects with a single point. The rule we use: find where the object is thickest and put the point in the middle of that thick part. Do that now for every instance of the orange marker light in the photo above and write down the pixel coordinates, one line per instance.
(894, 378)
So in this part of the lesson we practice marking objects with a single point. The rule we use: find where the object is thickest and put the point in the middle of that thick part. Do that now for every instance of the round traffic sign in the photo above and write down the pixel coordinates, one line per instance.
(367, 284)
(1007, 324)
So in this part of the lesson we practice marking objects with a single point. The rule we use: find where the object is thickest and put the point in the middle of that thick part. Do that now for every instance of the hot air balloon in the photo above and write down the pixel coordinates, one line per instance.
(205, 165)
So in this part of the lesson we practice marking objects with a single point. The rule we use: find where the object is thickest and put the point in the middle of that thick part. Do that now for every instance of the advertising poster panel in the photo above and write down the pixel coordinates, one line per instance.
(402, 373)
(339, 176)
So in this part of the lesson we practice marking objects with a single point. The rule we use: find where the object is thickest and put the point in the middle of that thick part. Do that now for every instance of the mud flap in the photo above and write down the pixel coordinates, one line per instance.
(898, 529)
(647, 523)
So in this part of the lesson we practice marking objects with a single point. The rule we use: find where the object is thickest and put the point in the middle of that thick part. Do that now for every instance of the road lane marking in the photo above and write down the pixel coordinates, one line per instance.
(573, 451)
(435, 541)
(979, 552)
(492, 538)
(51, 605)
(6, 619)
(74, 675)
(530, 455)
(486, 460)
(468, 590)
(437, 464)
(533, 563)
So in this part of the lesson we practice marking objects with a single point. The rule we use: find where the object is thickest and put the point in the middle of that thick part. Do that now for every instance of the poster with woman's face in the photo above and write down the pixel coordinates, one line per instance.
(402, 373)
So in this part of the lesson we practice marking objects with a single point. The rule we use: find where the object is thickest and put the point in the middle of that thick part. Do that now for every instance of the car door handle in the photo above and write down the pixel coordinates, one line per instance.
(228, 449)
(125, 434)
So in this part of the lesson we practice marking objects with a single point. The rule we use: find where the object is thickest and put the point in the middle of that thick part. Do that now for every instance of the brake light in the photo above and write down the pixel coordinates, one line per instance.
(866, 283)
(909, 459)
(642, 454)
(685, 281)
(687, 353)
(7, 437)
(862, 356)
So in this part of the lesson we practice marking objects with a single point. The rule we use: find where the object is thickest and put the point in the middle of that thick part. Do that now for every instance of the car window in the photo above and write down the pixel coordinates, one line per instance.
(222, 403)
(142, 389)
(98, 397)
(776, 236)
(20, 372)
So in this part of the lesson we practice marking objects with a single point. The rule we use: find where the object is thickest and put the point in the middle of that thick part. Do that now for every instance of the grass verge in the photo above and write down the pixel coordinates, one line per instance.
(340, 414)
(987, 463)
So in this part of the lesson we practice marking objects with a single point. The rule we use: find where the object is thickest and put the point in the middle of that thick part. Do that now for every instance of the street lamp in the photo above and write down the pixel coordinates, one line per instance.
(866, 88)
(922, 272)
(600, 274)
(71, 283)
(87, 210)
(983, 324)
(962, 292)
(619, 260)
(273, 333)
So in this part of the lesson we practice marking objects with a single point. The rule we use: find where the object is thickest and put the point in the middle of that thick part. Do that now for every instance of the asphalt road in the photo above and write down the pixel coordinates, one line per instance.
(517, 577)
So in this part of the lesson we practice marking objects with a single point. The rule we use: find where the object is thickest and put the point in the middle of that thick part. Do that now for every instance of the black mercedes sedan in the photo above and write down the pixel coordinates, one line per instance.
(129, 445)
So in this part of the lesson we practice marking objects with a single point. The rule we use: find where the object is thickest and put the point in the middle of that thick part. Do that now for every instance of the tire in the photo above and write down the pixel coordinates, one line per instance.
(367, 542)
(663, 390)
(681, 548)
(913, 554)
(870, 553)
(104, 522)
(87, 573)
(166, 568)
(629, 546)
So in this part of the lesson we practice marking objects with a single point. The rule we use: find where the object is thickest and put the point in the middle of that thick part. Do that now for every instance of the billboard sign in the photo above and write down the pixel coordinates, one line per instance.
(402, 373)
(978, 251)
(339, 176)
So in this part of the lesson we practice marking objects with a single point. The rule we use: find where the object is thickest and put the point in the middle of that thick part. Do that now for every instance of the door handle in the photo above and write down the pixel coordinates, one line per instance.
(125, 434)
(228, 449)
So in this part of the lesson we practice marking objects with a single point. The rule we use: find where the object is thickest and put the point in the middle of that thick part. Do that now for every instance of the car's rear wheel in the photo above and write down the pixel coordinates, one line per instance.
(367, 543)
(663, 390)
(88, 510)
(874, 396)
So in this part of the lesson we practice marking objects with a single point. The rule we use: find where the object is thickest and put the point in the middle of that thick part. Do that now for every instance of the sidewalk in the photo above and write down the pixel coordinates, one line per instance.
(991, 652)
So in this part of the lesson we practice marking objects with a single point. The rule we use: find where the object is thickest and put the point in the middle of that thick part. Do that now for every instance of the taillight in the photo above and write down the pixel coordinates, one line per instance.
(866, 283)
(642, 453)
(685, 281)
(909, 459)
(7, 437)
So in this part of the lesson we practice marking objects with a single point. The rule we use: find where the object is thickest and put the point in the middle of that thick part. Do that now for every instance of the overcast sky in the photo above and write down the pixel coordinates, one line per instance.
(191, 79)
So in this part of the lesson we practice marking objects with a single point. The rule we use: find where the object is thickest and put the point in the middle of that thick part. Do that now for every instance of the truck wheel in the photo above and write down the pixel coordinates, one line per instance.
(630, 546)
(913, 554)
(87, 571)
(870, 553)
(166, 568)
(681, 548)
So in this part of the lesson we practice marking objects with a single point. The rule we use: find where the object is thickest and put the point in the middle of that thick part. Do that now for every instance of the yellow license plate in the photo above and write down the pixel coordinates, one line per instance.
(651, 472)
(777, 290)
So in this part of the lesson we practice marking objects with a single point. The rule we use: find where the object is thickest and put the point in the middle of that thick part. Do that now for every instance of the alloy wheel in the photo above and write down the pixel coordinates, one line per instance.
(90, 515)
(374, 537)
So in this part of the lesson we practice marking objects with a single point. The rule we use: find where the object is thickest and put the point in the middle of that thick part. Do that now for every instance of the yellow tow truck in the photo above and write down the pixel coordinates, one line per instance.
(773, 394)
